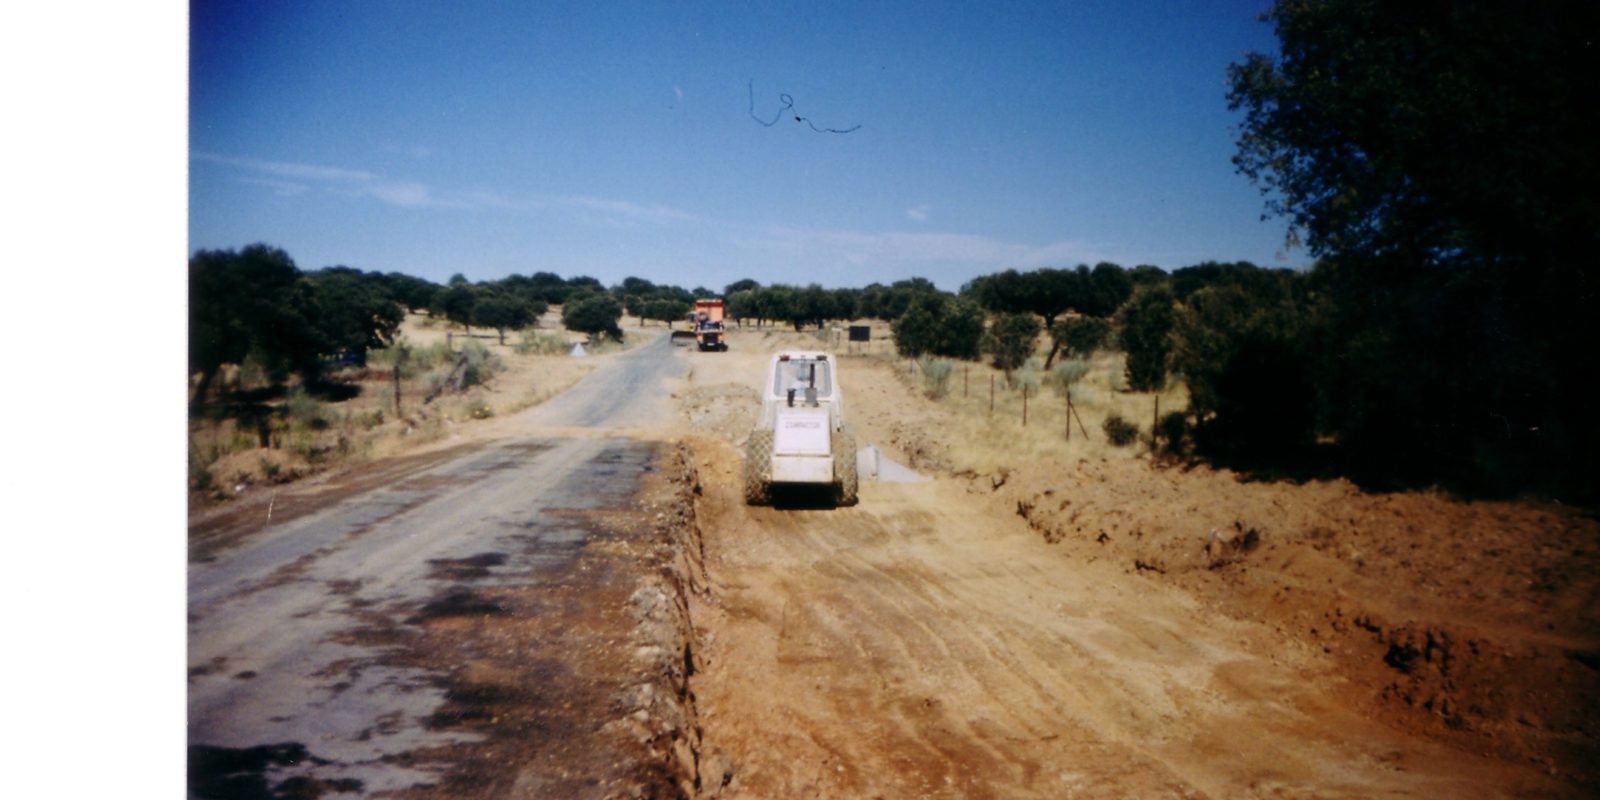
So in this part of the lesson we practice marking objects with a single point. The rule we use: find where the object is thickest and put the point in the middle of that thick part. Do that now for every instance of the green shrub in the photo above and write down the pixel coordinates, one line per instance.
(594, 314)
(1147, 321)
(1250, 359)
(1080, 336)
(304, 443)
(1119, 431)
(482, 364)
(938, 326)
(540, 343)
(227, 437)
(385, 358)
(251, 373)
(435, 381)
(1065, 374)
(200, 477)
(431, 356)
(305, 411)
(1010, 341)
(935, 376)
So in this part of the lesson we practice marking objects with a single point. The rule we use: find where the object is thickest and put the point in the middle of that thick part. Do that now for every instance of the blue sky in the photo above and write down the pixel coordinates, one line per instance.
(616, 139)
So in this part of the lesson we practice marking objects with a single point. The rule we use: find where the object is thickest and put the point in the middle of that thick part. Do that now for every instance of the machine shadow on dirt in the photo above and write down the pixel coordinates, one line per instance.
(804, 497)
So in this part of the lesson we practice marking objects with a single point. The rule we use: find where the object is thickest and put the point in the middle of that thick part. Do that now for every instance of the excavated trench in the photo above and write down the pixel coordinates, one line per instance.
(662, 710)
(612, 711)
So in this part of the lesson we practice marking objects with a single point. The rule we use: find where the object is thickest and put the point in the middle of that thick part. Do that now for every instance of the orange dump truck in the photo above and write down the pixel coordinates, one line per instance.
(707, 319)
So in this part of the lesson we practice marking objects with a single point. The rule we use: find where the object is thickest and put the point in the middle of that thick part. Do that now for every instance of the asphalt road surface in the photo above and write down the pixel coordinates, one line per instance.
(337, 650)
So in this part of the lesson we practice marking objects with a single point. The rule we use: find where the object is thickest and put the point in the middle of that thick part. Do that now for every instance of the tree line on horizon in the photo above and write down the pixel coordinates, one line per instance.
(256, 302)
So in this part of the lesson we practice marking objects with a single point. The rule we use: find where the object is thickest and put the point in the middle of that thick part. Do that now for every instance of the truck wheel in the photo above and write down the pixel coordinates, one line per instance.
(846, 480)
(758, 468)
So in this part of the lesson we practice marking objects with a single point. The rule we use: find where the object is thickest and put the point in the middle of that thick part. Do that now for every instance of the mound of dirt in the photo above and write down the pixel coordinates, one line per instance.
(1471, 621)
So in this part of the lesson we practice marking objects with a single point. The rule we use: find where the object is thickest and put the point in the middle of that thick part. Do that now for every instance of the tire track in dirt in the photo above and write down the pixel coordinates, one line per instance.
(920, 646)
(973, 651)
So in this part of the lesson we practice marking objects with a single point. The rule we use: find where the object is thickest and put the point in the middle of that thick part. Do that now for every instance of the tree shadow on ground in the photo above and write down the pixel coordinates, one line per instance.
(256, 409)
(1377, 473)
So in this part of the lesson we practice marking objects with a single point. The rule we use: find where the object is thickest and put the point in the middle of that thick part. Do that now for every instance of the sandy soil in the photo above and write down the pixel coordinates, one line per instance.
(1084, 623)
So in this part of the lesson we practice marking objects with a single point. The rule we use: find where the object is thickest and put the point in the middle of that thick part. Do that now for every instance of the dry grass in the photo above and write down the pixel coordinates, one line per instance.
(997, 436)
(308, 435)
(961, 422)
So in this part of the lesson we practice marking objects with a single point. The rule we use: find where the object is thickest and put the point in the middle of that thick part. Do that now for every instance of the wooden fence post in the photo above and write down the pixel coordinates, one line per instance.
(1074, 410)
(1155, 422)
(1024, 405)
(402, 355)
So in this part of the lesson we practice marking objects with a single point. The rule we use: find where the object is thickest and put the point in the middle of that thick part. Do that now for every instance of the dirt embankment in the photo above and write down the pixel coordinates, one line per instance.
(1472, 621)
(664, 711)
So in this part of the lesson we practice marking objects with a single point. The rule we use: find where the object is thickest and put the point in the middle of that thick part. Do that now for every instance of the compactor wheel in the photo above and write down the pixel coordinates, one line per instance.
(846, 480)
(758, 468)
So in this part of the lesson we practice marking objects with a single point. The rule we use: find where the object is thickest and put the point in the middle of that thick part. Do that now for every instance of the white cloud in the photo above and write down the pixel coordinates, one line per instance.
(408, 195)
(289, 178)
(278, 187)
(628, 210)
(483, 198)
(918, 213)
(894, 247)
(355, 182)
(286, 169)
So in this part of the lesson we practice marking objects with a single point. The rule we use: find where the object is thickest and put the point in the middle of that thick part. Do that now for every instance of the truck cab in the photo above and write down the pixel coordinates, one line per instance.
(707, 321)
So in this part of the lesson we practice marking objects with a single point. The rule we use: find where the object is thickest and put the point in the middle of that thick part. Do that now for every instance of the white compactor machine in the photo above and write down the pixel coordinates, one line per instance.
(800, 438)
